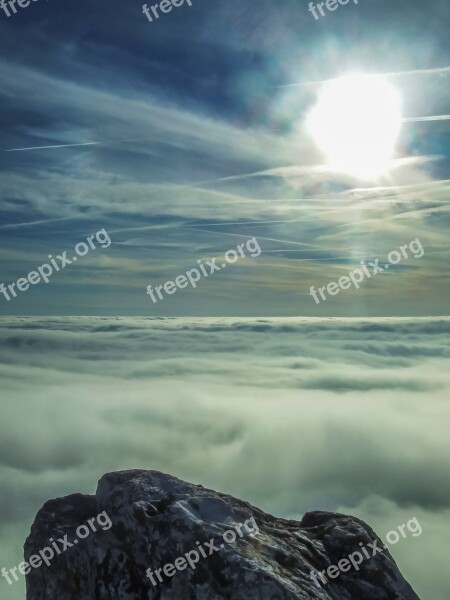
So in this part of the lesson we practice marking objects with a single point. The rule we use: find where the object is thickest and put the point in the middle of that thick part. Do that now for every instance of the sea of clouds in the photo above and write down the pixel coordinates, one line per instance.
(291, 414)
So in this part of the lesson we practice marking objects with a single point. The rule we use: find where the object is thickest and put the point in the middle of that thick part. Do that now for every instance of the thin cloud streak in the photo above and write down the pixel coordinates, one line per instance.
(31, 223)
(297, 170)
(58, 146)
(420, 119)
(436, 71)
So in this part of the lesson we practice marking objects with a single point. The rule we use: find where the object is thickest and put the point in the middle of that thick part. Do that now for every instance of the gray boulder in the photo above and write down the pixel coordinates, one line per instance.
(140, 522)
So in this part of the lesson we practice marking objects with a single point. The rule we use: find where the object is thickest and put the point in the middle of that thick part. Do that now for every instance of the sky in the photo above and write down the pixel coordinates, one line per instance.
(168, 144)
(186, 136)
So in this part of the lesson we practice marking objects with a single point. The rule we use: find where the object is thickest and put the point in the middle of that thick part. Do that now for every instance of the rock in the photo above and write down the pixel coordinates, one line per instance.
(152, 519)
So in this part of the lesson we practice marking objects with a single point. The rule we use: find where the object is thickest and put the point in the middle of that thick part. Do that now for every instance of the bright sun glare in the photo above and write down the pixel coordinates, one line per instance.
(356, 123)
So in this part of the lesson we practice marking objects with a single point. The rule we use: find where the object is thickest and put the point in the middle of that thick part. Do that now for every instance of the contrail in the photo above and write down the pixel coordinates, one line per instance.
(419, 119)
(415, 72)
(59, 146)
(30, 223)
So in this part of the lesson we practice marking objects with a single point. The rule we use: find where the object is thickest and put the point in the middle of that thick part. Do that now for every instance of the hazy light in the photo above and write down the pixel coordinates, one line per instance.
(356, 123)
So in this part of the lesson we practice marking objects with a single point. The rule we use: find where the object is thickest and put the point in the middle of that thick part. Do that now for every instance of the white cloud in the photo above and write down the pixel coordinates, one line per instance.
(244, 406)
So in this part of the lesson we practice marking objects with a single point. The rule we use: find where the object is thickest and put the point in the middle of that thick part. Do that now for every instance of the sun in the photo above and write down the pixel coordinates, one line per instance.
(356, 123)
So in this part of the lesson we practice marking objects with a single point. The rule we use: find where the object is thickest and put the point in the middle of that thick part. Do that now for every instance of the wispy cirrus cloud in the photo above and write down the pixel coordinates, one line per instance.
(194, 161)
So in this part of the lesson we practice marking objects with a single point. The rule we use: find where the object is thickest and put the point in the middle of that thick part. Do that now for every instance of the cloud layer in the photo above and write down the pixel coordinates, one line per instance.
(290, 414)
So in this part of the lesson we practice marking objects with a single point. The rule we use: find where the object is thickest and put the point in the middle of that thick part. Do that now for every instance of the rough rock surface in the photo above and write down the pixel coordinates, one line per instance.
(157, 518)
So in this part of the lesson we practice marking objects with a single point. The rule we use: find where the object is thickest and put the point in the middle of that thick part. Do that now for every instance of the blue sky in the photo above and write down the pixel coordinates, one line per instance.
(182, 139)
(201, 146)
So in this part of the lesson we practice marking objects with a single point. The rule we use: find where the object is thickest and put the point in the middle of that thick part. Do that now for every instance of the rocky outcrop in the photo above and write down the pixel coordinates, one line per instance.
(152, 521)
